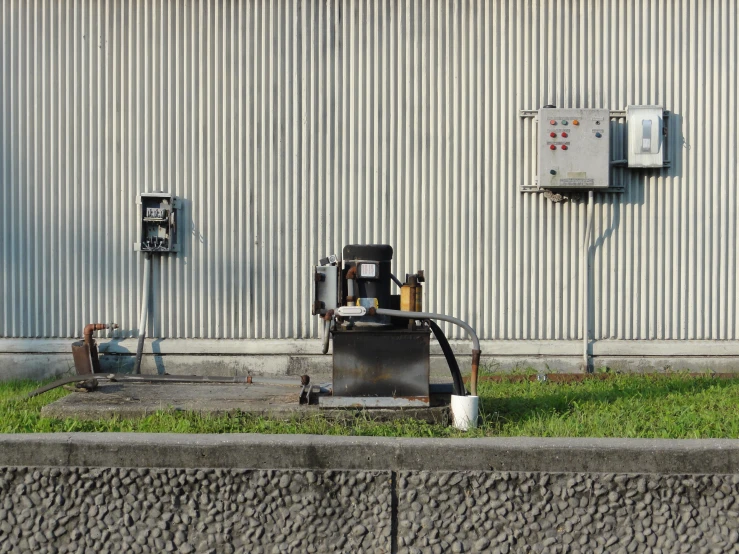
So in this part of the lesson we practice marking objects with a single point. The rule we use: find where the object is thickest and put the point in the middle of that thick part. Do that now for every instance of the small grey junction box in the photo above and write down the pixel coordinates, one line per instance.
(157, 223)
(574, 148)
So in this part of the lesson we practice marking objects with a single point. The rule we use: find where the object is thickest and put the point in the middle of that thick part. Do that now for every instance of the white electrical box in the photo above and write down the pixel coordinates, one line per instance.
(646, 138)
(574, 148)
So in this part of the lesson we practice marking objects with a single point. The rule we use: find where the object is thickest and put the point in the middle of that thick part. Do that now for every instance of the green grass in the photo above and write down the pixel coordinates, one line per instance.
(629, 406)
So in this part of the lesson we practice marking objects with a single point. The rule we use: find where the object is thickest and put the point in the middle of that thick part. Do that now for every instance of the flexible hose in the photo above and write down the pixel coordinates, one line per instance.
(450, 319)
(144, 313)
(396, 281)
(350, 288)
(451, 360)
(326, 335)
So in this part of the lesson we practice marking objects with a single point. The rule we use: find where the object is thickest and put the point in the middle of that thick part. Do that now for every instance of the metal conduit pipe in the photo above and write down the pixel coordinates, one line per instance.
(144, 313)
(450, 319)
(586, 283)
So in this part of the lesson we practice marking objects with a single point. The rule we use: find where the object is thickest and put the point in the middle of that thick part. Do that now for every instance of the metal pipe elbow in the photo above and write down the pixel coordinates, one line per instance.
(90, 328)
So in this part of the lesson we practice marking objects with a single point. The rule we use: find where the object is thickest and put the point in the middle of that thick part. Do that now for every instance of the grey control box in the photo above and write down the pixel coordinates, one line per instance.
(157, 223)
(574, 148)
(326, 291)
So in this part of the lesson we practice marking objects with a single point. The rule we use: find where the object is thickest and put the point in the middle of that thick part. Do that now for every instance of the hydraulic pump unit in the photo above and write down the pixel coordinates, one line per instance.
(381, 337)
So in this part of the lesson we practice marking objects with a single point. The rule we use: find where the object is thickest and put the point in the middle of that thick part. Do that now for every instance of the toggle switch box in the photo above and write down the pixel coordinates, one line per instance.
(578, 155)
(646, 136)
(157, 223)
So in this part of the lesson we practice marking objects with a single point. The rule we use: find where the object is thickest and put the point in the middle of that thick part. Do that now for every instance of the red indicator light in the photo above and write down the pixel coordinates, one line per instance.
(552, 134)
(564, 147)
(552, 147)
(564, 134)
(552, 122)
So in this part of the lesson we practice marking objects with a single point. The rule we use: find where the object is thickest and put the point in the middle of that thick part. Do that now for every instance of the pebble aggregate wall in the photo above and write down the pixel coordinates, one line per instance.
(60, 510)
(47, 510)
(588, 513)
(406, 499)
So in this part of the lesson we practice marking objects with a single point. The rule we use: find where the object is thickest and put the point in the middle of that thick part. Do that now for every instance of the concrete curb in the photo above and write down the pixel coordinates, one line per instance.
(370, 453)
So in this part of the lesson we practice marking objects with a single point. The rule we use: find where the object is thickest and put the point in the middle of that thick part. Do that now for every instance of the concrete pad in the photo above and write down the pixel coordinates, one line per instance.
(131, 400)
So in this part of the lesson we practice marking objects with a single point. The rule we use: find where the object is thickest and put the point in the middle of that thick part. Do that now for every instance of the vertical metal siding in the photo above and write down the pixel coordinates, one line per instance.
(291, 128)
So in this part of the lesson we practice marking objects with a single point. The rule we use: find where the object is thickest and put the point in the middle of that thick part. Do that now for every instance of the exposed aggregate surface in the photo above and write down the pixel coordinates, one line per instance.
(56, 510)
(575, 512)
(60, 509)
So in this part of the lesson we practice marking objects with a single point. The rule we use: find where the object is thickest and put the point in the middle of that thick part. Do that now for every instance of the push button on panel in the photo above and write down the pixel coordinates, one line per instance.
(565, 135)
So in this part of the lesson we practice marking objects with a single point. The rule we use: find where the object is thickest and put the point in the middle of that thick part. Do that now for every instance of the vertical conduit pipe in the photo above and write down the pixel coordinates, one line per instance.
(144, 312)
(586, 283)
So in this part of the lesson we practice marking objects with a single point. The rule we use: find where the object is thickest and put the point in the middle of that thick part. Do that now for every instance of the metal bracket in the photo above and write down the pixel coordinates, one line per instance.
(613, 114)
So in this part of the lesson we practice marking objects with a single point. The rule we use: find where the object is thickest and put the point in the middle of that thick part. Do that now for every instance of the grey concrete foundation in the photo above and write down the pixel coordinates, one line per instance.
(40, 358)
(259, 493)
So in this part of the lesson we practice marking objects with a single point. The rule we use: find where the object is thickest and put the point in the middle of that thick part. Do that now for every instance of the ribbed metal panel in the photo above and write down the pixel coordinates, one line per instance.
(291, 128)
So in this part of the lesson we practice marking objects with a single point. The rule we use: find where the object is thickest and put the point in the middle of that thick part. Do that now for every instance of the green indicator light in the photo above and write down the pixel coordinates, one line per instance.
(564, 123)
(553, 172)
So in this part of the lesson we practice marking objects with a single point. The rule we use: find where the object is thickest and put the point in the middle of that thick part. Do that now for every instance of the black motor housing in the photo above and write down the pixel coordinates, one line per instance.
(379, 287)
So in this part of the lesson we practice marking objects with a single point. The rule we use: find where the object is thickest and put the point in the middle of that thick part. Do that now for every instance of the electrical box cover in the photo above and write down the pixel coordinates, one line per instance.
(157, 223)
(326, 292)
(574, 148)
(646, 138)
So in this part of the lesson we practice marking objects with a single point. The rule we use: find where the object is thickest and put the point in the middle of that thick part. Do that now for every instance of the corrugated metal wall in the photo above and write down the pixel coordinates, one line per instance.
(291, 128)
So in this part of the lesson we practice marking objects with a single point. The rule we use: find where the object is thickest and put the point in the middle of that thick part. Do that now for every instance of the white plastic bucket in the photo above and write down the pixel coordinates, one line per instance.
(464, 411)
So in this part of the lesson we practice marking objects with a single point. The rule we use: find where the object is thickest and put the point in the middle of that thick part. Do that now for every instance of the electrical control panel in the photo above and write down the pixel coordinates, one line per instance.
(326, 291)
(647, 134)
(157, 223)
(573, 148)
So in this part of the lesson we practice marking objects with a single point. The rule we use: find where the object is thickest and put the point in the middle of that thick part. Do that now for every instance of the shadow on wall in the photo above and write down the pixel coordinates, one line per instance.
(116, 358)
(635, 182)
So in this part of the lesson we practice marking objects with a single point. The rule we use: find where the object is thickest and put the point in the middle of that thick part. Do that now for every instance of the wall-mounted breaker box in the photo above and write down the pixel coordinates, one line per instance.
(326, 278)
(646, 136)
(157, 222)
(574, 148)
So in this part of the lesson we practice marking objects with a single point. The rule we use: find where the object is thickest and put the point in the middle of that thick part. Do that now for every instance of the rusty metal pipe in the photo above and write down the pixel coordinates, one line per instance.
(87, 332)
(350, 276)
